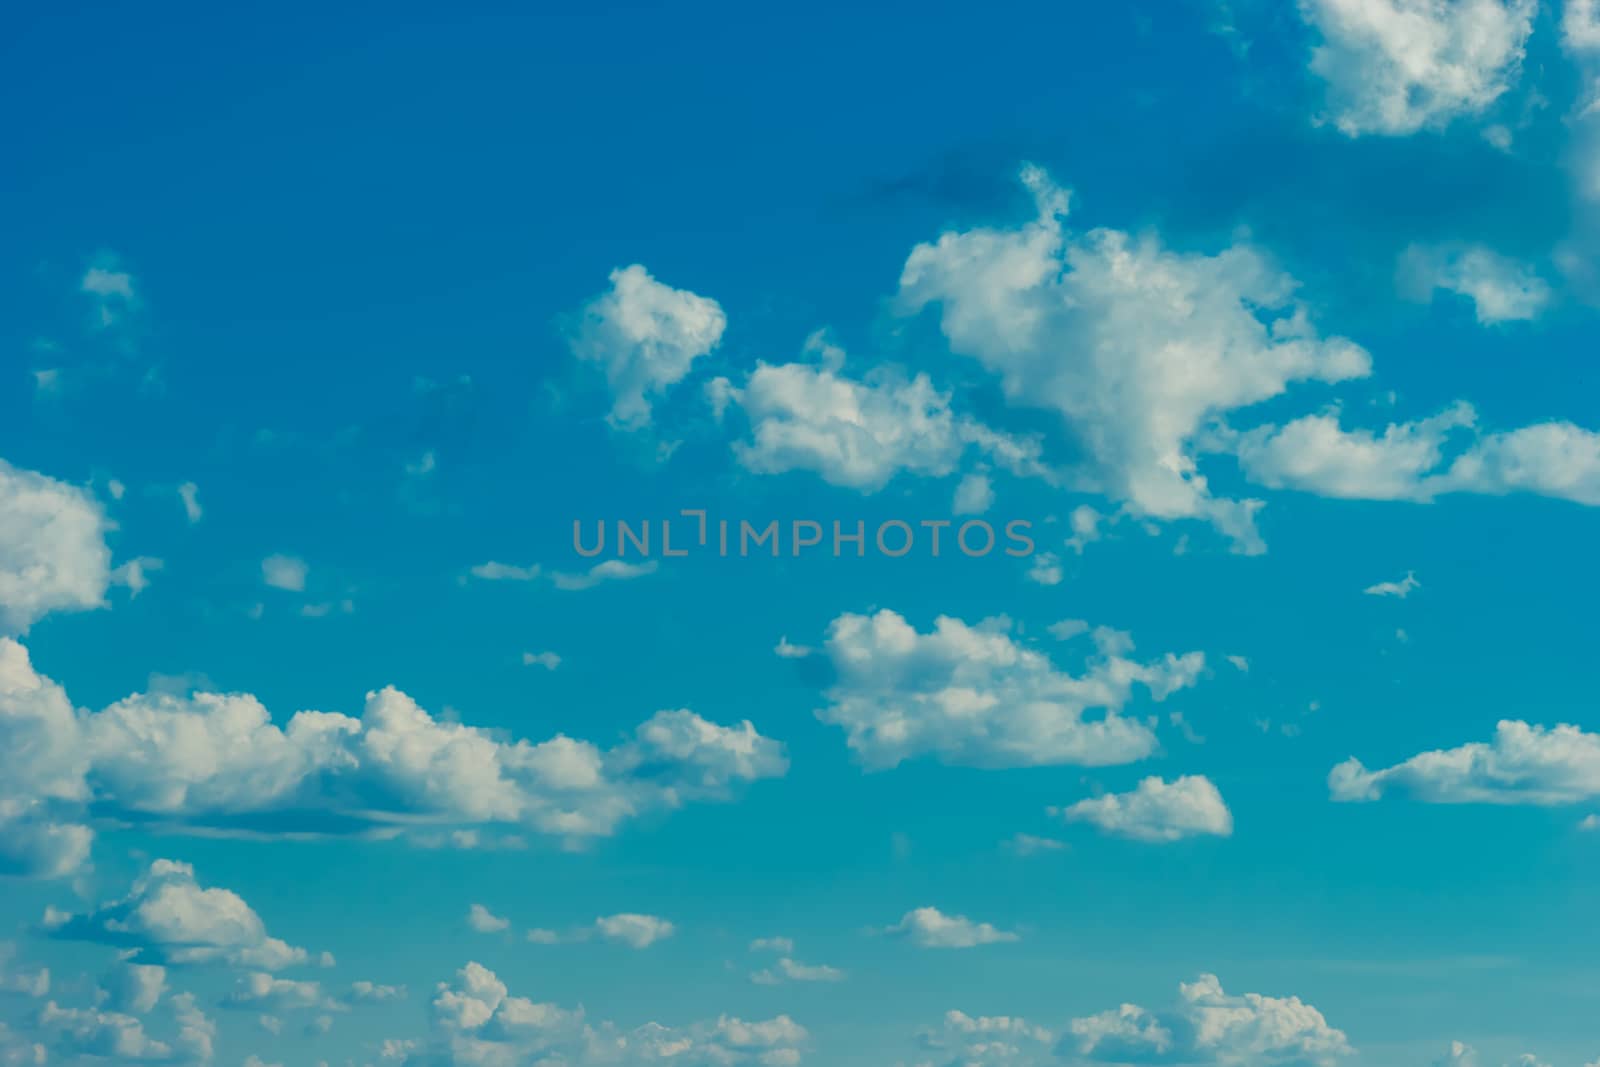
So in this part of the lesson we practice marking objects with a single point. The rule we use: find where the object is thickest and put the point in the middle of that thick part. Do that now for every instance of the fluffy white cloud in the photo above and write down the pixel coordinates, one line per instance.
(53, 554)
(259, 991)
(1523, 764)
(988, 1041)
(635, 931)
(485, 921)
(478, 1023)
(1137, 347)
(645, 336)
(976, 696)
(88, 1032)
(974, 495)
(189, 494)
(1208, 1026)
(220, 761)
(135, 987)
(858, 433)
(1409, 461)
(1401, 589)
(284, 572)
(611, 570)
(1158, 810)
(1398, 66)
(1501, 289)
(169, 918)
(932, 928)
(790, 970)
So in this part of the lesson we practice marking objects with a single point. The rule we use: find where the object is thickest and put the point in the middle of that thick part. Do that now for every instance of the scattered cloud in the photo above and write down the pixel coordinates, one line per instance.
(932, 928)
(1501, 289)
(1401, 589)
(1523, 764)
(284, 572)
(1158, 810)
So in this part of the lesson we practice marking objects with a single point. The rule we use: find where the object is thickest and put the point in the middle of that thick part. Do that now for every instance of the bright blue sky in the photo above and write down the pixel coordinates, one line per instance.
(365, 283)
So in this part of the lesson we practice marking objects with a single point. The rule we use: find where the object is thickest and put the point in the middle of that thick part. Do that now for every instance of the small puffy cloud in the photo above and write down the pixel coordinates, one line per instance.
(1589, 823)
(89, 1032)
(1086, 527)
(635, 931)
(988, 1041)
(1395, 67)
(976, 696)
(974, 495)
(1240, 664)
(53, 553)
(611, 570)
(485, 921)
(21, 980)
(1032, 845)
(478, 1022)
(135, 988)
(785, 649)
(1523, 764)
(134, 575)
(169, 918)
(548, 660)
(284, 572)
(860, 433)
(42, 767)
(262, 992)
(645, 336)
(111, 290)
(364, 992)
(1208, 1026)
(1401, 589)
(1067, 629)
(1137, 347)
(1045, 569)
(782, 945)
(1157, 810)
(189, 495)
(1501, 289)
(505, 572)
(932, 928)
(789, 970)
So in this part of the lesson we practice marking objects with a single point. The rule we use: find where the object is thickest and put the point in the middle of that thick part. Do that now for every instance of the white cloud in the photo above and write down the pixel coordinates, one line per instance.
(782, 945)
(1158, 810)
(189, 494)
(975, 696)
(134, 575)
(1523, 764)
(548, 660)
(1045, 569)
(1408, 460)
(478, 1023)
(88, 1032)
(1398, 66)
(611, 570)
(1137, 347)
(974, 495)
(485, 921)
(859, 433)
(988, 1041)
(1032, 845)
(932, 928)
(1207, 1026)
(505, 572)
(135, 988)
(1501, 289)
(284, 572)
(259, 991)
(785, 650)
(1401, 589)
(645, 336)
(1085, 522)
(219, 762)
(1589, 823)
(1067, 629)
(111, 291)
(53, 554)
(635, 931)
(1240, 664)
(789, 970)
(169, 918)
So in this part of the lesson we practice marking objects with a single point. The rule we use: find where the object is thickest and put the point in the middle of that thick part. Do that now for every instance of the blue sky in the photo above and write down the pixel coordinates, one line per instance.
(320, 330)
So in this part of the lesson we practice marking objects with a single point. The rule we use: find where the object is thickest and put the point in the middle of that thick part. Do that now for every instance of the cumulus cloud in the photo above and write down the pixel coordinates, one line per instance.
(974, 495)
(89, 1032)
(1157, 810)
(505, 572)
(189, 495)
(135, 987)
(635, 931)
(259, 991)
(219, 761)
(988, 1040)
(284, 572)
(976, 696)
(1208, 1026)
(1420, 460)
(1401, 589)
(790, 970)
(485, 921)
(53, 553)
(1395, 67)
(611, 570)
(1501, 289)
(1136, 346)
(932, 928)
(1522, 764)
(645, 336)
(859, 433)
(477, 1022)
(168, 918)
